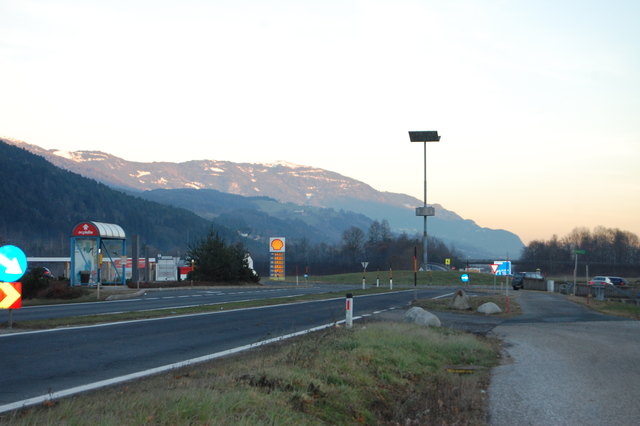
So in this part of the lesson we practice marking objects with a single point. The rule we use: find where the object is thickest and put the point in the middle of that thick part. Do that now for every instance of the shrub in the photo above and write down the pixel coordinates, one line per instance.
(61, 290)
(33, 282)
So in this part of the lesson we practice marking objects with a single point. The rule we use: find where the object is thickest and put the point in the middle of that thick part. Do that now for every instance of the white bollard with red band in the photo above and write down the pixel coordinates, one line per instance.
(349, 310)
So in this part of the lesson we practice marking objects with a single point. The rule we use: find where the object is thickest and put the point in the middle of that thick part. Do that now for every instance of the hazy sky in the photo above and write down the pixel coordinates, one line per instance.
(537, 102)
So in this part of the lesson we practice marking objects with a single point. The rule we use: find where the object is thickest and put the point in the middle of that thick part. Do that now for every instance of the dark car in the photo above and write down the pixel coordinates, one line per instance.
(519, 278)
(618, 281)
(41, 271)
(605, 280)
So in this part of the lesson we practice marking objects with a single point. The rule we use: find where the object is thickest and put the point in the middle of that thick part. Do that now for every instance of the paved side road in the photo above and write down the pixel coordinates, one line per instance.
(567, 373)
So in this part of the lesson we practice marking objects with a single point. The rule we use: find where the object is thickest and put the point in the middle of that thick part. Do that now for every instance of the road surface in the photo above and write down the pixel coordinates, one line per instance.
(39, 363)
(170, 299)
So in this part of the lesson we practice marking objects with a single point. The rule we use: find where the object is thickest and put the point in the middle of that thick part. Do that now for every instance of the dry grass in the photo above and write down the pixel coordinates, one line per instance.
(500, 300)
(375, 373)
(625, 310)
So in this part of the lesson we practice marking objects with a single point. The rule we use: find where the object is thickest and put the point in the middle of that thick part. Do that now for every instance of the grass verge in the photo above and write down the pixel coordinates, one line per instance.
(444, 304)
(444, 278)
(619, 309)
(375, 373)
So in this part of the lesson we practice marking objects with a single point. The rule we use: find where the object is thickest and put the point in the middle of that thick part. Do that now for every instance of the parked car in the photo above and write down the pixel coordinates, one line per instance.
(605, 280)
(618, 281)
(519, 278)
(41, 271)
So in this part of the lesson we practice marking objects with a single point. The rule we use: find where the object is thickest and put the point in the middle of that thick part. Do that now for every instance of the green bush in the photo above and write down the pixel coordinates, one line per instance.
(33, 282)
(61, 290)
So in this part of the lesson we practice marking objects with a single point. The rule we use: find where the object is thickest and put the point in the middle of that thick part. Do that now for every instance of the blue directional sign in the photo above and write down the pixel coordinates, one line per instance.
(504, 268)
(13, 263)
(464, 278)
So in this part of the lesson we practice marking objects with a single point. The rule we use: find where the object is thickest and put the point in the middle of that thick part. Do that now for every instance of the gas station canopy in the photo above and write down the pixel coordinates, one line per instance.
(98, 254)
(99, 229)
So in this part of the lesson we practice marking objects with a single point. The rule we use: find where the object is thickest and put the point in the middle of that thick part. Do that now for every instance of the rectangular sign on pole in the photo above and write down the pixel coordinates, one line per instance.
(504, 267)
(277, 251)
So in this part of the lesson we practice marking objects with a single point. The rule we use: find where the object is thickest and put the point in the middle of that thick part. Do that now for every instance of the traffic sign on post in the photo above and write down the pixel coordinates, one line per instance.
(10, 295)
(504, 267)
(13, 263)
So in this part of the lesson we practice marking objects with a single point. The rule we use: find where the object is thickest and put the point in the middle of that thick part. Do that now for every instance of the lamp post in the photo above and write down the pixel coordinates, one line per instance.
(424, 211)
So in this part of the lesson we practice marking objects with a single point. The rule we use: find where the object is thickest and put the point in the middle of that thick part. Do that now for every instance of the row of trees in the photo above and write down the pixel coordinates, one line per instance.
(378, 246)
(606, 251)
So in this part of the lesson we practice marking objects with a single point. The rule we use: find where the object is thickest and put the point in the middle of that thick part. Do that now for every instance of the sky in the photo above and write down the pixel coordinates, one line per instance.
(537, 102)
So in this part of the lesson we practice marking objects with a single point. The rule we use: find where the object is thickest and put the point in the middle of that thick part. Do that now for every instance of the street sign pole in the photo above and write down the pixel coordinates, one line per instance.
(13, 265)
(575, 273)
(364, 270)
(576, 252)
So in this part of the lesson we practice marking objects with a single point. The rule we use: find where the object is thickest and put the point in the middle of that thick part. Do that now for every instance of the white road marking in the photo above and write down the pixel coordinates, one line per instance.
(137, 375)
(444, 295)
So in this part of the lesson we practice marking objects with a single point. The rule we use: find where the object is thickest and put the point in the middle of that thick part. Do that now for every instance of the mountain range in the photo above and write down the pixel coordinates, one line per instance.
(284, 195)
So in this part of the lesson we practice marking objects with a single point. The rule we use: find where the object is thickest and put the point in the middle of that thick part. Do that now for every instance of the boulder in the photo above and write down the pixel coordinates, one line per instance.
(460, 301)
(489, 308)
(419, 316)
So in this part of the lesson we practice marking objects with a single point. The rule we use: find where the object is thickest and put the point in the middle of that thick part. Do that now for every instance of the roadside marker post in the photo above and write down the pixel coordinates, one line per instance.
(390, 278)
(349, 310)
(364, 270)
(506, 284)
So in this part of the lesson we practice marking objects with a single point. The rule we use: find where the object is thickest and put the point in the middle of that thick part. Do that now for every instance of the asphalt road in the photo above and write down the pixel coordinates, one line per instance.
(38, 363)
(170, 298)
(566, 365)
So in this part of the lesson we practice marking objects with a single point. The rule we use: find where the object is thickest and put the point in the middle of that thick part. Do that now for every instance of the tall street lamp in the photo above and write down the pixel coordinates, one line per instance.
(424, 211)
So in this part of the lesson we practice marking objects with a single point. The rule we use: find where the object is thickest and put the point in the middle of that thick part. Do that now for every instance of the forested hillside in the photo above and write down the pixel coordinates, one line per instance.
(262, 217)
(42, 203)
(289, 184)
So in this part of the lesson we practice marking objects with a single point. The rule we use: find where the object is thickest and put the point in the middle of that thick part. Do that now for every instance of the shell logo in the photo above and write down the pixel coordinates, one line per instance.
(277, 244)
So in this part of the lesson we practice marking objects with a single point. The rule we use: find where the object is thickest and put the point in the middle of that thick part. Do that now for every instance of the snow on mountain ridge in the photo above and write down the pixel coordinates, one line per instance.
(283, 182)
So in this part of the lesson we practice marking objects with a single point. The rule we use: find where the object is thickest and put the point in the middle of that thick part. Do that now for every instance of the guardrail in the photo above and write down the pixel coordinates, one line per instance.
(582, 290)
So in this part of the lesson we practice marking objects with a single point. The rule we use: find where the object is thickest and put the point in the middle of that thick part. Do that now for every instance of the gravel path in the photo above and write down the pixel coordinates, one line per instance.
(568, 373)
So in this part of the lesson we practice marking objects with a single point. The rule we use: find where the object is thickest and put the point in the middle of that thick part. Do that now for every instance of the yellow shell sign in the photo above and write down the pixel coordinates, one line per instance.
(276, 245)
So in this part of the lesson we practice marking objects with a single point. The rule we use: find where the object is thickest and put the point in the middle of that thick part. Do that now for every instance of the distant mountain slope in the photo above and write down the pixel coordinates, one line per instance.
(42, 203)
(262, 217)
(288, 183)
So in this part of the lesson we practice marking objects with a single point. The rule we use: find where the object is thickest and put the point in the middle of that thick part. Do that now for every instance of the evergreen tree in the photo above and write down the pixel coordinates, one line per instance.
(217, 262)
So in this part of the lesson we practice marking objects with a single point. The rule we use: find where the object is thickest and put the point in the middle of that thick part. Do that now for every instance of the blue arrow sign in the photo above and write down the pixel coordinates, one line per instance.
(504, 268)
(13, 263)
